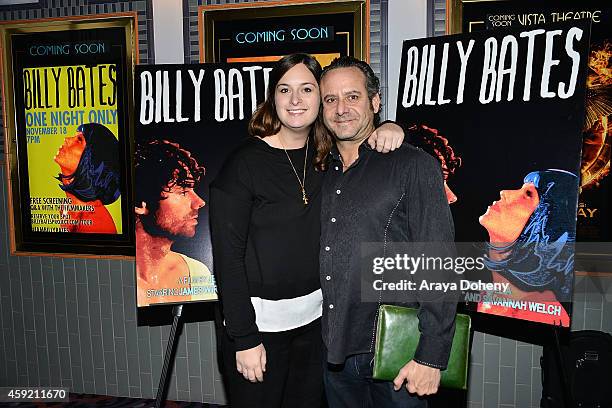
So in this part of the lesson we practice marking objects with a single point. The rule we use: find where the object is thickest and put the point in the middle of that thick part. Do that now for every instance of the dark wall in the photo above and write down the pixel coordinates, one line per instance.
(73, 322)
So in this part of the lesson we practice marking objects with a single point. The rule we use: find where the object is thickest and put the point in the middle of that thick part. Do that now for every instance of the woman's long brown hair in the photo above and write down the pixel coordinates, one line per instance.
(265, 121)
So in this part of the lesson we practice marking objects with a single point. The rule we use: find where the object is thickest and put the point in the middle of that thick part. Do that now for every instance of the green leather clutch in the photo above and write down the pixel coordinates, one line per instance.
(397, 336)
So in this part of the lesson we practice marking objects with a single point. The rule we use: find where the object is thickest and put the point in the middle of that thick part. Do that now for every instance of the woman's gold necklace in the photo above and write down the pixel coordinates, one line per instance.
(303, 181)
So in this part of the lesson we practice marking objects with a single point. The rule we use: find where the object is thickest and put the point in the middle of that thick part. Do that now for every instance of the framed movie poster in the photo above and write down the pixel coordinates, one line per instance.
(67, 93)
(594, 215)
(259, 32)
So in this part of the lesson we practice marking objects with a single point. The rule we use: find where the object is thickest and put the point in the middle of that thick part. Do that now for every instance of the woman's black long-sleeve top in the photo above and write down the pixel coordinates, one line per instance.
(265, 240)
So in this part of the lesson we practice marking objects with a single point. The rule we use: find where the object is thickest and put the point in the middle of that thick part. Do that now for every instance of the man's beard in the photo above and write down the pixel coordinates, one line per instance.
(151, 227)
(351, 138)
(359, 136)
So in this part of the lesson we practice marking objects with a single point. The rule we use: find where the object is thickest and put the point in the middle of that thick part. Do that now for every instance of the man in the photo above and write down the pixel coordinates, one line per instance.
(167, 209)
(368, 197)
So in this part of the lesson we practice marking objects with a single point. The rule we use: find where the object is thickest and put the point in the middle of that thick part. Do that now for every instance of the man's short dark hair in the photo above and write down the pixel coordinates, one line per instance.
(372, 82)
(161, 165)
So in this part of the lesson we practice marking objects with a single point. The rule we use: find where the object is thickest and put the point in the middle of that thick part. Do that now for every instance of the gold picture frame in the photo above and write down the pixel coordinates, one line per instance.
(454, 15)
(25, 238)
(357, 35)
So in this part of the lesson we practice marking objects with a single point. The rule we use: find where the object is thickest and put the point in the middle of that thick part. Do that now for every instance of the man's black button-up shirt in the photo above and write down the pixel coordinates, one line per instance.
(401, 192)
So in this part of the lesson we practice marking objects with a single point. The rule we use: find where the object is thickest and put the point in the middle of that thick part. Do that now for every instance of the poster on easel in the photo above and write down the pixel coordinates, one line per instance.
(594, 211)
(502, 112)
(188, 119)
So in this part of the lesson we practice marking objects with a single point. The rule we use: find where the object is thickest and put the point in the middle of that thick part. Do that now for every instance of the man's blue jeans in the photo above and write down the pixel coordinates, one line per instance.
(351, 385)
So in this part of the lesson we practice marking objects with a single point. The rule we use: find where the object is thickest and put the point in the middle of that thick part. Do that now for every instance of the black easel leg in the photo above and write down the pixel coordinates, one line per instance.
(176, 312)
(567, 393)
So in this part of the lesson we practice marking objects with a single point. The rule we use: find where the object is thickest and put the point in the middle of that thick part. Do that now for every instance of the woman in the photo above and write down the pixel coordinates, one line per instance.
(531, 234)
(264, 211)
(89, 174)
